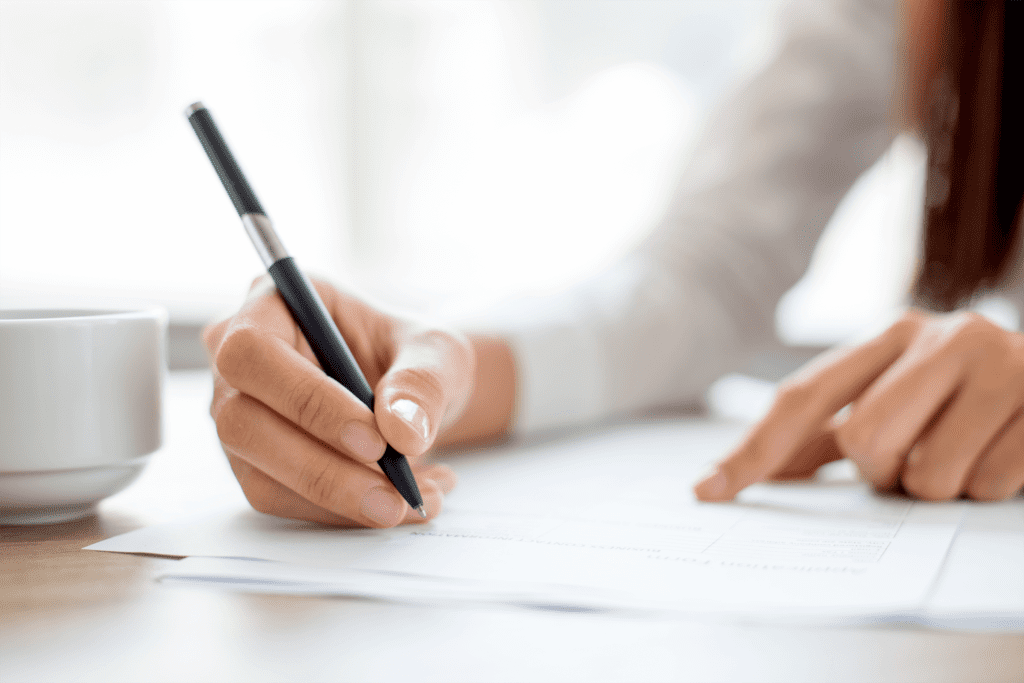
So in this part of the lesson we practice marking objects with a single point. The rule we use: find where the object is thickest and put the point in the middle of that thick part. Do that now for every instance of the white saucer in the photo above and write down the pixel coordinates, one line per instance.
(50, 496)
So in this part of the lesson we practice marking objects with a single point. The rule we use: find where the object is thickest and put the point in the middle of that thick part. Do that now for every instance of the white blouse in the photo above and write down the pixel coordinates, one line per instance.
(698, 299)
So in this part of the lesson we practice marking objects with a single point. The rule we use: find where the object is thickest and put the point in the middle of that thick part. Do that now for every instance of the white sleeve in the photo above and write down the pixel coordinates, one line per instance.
(699, 297)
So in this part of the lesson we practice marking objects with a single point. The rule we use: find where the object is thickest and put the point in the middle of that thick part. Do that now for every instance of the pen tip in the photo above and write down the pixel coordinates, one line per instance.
(193, 108)
(419, 509)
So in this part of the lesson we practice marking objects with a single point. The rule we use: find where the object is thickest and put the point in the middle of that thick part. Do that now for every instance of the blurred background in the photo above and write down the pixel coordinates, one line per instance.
(434, 155)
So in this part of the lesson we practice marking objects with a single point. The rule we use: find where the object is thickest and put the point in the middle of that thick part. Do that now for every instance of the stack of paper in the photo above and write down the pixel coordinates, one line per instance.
(608, 522)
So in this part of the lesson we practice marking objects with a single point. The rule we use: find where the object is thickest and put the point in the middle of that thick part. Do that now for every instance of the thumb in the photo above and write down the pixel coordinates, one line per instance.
(425, 389)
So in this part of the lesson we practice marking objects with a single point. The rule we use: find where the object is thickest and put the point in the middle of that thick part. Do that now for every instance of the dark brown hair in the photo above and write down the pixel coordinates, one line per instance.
(974, 131)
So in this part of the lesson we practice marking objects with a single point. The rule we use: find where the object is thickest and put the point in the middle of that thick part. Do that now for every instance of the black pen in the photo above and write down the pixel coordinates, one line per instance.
(298, 292)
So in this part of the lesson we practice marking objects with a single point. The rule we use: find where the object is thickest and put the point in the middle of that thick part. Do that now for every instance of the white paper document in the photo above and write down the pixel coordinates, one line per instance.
(606, 521)
(982, 581)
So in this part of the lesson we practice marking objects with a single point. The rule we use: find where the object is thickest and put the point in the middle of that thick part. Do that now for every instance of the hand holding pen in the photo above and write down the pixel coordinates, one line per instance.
(311, 446)
(301, 445)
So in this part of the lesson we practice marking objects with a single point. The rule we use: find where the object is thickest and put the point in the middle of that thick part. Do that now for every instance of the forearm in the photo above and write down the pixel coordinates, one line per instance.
(700, 296)
(489, 413)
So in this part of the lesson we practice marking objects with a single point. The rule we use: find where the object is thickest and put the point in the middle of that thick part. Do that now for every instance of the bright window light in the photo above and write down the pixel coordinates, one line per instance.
(432, 154)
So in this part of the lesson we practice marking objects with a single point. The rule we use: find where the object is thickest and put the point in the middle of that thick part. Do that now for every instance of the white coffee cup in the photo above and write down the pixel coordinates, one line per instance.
(80, 407)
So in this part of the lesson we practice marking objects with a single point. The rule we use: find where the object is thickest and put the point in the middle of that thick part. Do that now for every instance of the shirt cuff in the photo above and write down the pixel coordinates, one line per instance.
(559, 372)
(559, 377)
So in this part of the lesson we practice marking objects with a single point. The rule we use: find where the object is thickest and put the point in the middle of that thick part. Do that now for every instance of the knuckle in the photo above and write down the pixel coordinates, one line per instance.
(308, 405)
(234, 423)
(424, 382)
(237, 356)
(318, 483)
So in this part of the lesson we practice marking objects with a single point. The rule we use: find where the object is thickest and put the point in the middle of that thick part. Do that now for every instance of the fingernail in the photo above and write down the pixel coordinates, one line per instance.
(382, 507)
(712, 487)
(362, 441)
(412, 415)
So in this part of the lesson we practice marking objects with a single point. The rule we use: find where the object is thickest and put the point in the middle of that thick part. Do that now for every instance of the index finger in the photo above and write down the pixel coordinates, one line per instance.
(806, 400)
(258, 356)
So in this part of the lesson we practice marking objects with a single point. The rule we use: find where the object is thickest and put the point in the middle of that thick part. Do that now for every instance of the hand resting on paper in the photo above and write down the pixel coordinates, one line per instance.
(936, 409)
(302, 446)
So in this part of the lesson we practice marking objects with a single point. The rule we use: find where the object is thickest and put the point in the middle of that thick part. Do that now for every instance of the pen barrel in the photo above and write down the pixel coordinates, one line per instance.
(224, 163)
(264, 238)
(299, 294)
(318, 327)
(397, 470)
(329, 347)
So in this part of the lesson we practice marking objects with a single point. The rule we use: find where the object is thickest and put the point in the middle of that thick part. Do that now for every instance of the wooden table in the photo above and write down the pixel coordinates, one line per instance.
(73, 615)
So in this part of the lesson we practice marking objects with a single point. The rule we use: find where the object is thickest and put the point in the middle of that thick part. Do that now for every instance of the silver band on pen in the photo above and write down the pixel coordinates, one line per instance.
(266, 241)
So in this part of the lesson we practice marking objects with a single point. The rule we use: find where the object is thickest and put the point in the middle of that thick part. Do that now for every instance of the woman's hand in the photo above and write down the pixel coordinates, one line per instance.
(936, 407)
(300, 444)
